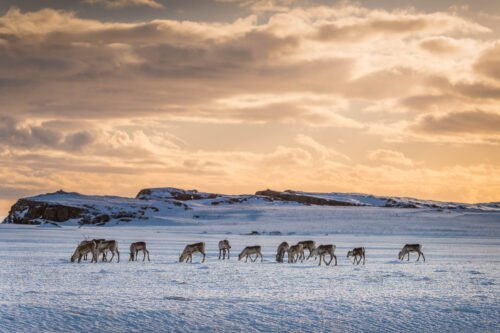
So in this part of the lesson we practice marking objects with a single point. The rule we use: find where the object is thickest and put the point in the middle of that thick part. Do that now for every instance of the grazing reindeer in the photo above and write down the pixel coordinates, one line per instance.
(357, 252)
(108, 245)
(134, 251)
(411, 248)
(82, 250)
(280, 253)
(295, 252)
(248, 251)
(97, 241)
(309, 245)
(187, 254)
(323, 250)
(224, 247)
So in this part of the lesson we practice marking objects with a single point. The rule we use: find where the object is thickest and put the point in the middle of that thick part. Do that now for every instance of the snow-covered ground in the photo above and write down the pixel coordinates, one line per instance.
(456, 290)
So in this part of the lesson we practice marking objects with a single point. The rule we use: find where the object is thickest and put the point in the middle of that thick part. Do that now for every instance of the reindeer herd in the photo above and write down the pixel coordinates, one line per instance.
(102, 247)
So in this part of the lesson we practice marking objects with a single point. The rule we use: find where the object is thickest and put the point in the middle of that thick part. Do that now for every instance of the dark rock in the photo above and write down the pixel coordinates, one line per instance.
(26, 211)
(303, 199)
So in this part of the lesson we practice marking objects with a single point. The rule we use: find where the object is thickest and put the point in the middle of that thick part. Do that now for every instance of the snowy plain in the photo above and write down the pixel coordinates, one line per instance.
(456, 290)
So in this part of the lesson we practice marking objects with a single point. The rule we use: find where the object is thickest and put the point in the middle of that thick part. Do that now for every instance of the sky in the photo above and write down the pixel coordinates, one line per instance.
(383, 97)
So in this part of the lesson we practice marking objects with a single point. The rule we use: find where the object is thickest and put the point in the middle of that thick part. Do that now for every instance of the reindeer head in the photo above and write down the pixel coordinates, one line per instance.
(400, 255)
(315, 252)
(183, 256)
(241, 255)
(74, 256)
(350, 254)
(131, 258)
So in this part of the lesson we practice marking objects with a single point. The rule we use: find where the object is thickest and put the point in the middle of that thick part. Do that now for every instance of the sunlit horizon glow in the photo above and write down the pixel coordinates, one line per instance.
(235, 96)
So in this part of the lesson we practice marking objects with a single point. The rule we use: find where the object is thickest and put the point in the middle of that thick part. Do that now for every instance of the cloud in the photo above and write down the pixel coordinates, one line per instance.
(488, 63)
(396, 24)
(325, 153)
(14, 134)
(125, 3)
(439, 46)
(263, 6)
(390, 157)
(475, 122)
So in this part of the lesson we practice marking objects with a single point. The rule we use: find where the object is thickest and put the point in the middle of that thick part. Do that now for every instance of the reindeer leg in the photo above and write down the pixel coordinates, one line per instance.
(112, 256)
(148, 255)
(364, 257)
(204, 255)
(335, 259)
(220, 253)
(228, 250)
(331, 259)
(423, 255)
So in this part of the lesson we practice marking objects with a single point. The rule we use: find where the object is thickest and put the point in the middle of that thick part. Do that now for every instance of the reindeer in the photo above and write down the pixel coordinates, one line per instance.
(280, 253)
(309, 245)
(82, 250)
(97, 241)
(357, 252)
(323, 250)
(295, 252)
(224, 247)
(411, 248)
(108, 245)
(187, 254)
(248, 251)
(134, 251)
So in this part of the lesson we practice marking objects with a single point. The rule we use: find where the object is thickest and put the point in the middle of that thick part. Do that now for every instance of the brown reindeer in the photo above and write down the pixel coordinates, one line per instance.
(307, 245)
(97, 241)
(248, 251)
(295, 252)
(411, 248)
(108, 245)
(82, 249)
(187, 254)
(224, 247)
(323, 250)
(357, 252)
(280, 253)
(134, 251)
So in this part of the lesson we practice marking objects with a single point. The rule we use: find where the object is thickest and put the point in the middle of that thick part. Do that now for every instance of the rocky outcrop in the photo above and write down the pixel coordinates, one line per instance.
(170, 193)
(27, 211)
(303, 199)
(63, 206)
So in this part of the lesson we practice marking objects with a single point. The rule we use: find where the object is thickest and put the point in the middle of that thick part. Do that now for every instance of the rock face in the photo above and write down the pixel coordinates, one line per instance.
(171, 193)
(27, 211)
(303, 199)
(82, 209)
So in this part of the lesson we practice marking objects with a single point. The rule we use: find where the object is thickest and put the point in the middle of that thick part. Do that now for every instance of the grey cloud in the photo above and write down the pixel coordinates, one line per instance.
(30, 137)
(488, 63)
(370, 28)
(474, 122)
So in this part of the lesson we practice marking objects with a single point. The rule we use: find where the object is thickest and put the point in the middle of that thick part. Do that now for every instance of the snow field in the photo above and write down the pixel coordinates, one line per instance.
(456, 290)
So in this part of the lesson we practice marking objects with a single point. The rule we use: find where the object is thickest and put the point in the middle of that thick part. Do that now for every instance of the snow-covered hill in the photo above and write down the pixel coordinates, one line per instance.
(162, 205)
